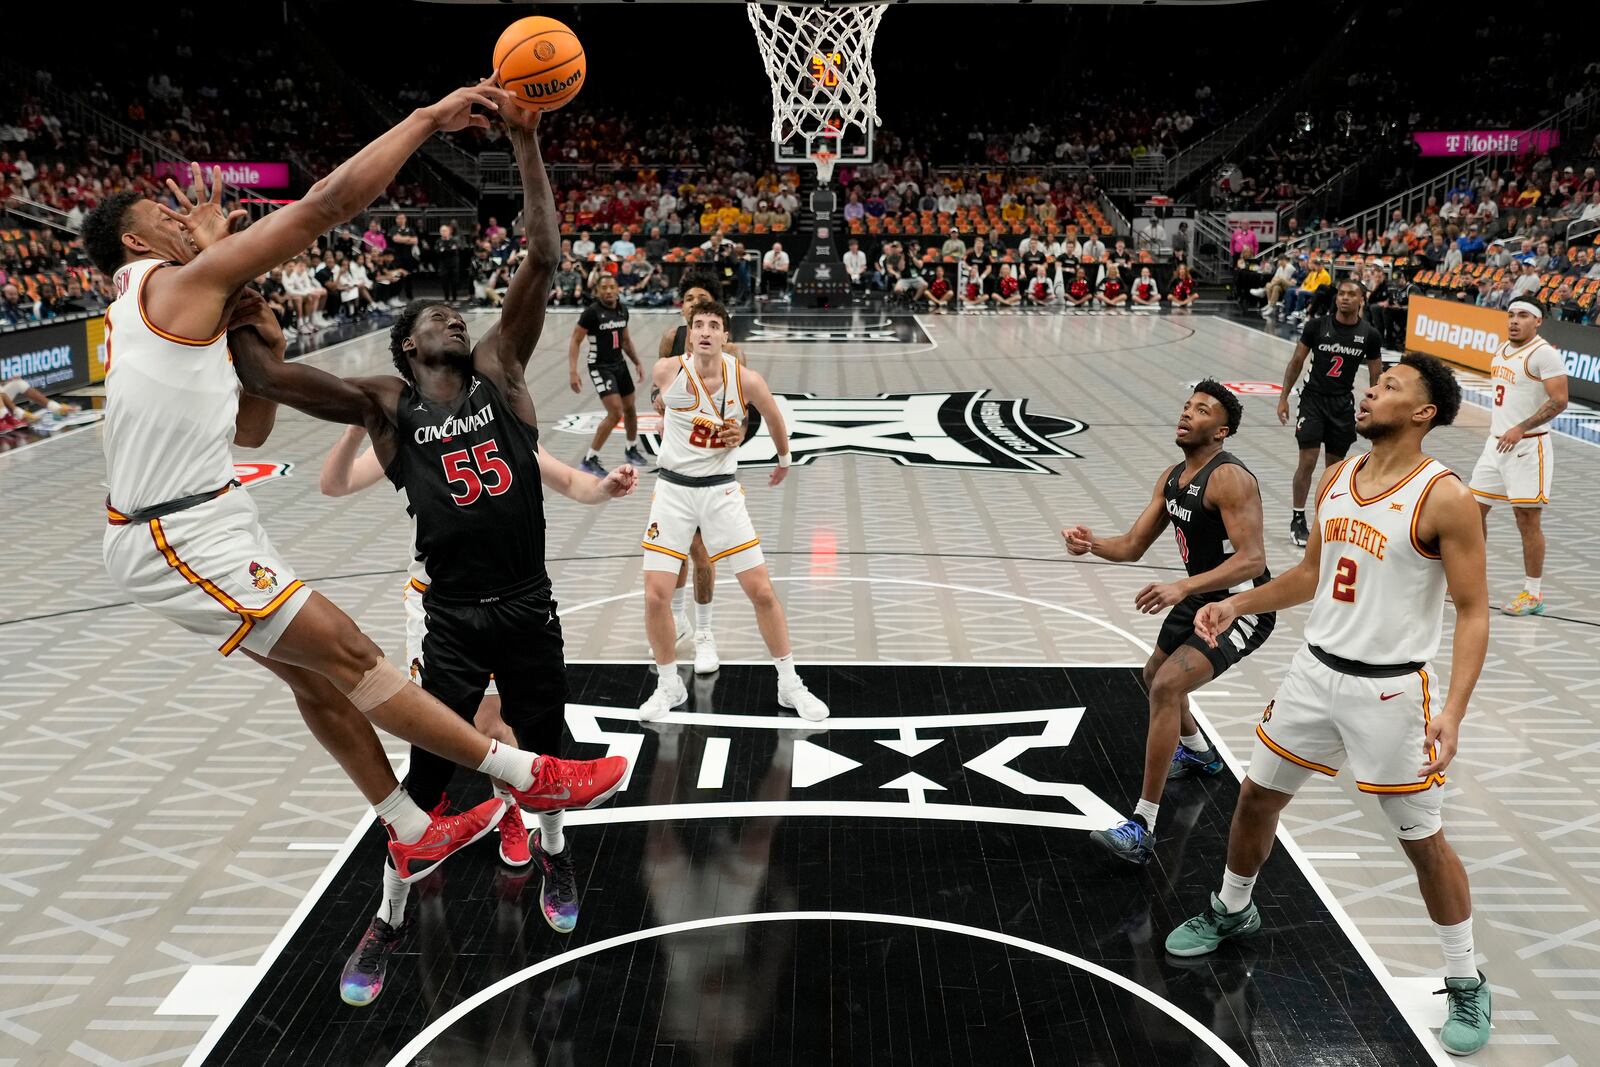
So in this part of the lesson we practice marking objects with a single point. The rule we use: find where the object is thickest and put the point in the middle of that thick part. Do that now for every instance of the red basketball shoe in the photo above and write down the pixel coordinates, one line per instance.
(447, 834)
(559, 784)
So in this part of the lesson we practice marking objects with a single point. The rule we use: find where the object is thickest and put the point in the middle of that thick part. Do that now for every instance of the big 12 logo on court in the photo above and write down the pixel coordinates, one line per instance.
(962, 430)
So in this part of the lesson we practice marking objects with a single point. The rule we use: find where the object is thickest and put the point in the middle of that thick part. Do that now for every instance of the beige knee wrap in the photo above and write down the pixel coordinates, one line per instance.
(383, 681)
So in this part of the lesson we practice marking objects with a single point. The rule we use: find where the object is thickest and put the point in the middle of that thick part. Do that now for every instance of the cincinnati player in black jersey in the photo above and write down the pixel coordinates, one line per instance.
(605, 324)
(456, 431)
(699, 287)
(1213, 504)
(1337, 344)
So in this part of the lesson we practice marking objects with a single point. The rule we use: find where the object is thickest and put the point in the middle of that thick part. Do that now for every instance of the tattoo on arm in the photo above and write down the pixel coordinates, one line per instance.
(1547, 411)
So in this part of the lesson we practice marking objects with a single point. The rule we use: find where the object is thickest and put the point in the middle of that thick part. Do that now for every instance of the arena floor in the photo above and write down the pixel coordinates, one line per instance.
(182, 869)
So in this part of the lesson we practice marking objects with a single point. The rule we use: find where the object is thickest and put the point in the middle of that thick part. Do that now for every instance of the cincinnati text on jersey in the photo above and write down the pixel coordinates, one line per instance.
(452, 426)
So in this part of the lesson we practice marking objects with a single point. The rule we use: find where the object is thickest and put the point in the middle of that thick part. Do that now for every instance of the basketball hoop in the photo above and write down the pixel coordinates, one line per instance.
(819, 63)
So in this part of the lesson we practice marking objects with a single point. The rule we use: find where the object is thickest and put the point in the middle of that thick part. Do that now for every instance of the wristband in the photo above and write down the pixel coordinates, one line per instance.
(783, 460)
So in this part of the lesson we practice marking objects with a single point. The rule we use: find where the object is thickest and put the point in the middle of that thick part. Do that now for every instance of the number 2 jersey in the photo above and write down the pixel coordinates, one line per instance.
(469, 473)
(1337, 352)
(1380, 590)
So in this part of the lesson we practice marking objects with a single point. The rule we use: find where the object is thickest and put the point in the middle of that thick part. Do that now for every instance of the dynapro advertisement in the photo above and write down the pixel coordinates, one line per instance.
(1471, 335)
(53, 358)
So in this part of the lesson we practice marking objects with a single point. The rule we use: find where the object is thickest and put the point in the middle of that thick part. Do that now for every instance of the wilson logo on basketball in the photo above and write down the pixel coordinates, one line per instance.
(553, 87)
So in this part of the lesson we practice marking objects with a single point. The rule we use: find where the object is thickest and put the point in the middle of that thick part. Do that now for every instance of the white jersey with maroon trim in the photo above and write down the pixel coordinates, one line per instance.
(170, 403)
(690, 444)
(1380, 591)
(1519, 374)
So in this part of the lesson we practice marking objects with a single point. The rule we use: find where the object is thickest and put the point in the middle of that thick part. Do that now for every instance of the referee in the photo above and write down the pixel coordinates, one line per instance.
(1337, 345)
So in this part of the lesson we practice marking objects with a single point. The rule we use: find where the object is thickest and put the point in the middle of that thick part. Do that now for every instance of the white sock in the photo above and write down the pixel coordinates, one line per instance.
(702, 616)
(677, 600)
(1236, 889)
(1458, 954)
(665, 672)
(592, 453)
(1532, 586)
(511, 765)
(392, 908)
(402, 817)
(786, 672)
(504, 795)
(56, 407)
(1195, 742)
(1146, 811)
(551, 837)
(633, 442)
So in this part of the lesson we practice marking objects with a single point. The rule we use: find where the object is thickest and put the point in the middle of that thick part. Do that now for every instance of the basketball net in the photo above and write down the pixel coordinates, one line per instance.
(819, 62)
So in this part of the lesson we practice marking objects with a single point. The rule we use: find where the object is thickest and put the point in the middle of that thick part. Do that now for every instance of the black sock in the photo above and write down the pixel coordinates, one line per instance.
(1300, 513)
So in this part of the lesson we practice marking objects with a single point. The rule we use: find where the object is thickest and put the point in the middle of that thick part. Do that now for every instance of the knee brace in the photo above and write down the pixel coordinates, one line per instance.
(380, 683)
(1414, 816)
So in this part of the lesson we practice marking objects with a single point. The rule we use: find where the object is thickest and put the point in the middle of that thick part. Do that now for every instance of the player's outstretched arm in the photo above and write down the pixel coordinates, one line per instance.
(1294, 586)
(198, 289)
(585, 488)
(1450, 514)
(1126, 547)
(343, 472)
(369, 402)
(506, 349)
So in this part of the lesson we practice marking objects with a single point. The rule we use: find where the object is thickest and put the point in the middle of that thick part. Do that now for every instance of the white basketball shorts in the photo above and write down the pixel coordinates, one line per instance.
(211, 569)
(1320, 719)
(1520, 477)
(717, 511)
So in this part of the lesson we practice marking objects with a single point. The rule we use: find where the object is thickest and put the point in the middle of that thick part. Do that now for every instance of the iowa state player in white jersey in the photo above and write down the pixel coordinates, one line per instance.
(1394, 529)
(1519, 458)
(185, 546)
(696, 488)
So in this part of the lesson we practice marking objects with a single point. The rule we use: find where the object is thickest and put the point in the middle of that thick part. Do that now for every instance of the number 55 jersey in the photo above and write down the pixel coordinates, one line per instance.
(469, 473)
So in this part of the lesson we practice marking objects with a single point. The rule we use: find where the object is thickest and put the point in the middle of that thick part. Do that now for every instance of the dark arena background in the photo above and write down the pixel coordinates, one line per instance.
(980, 254)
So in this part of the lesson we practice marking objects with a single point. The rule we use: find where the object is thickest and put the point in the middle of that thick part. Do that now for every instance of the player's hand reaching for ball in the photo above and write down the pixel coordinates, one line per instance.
(520, 119)
(455, 112)
(1079, 540)
(1214, 618)
(1283, 410)
(620, 481)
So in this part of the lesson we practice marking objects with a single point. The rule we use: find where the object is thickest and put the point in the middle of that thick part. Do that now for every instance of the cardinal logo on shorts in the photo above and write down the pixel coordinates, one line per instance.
(416, 669)
(652, 533)
(1266, 716)
(262, 576)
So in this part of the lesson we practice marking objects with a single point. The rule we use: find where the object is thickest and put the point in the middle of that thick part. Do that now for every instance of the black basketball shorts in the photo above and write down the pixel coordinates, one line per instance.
(1327, 421)
(1248, 633)
(517, 640)
(611, 378)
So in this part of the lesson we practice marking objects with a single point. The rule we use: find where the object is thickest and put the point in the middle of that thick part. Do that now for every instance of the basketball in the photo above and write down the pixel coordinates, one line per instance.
(541, 62)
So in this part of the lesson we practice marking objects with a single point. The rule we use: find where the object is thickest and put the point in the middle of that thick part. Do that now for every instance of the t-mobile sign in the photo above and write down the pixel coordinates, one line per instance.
(1477, 142)
(248, 175)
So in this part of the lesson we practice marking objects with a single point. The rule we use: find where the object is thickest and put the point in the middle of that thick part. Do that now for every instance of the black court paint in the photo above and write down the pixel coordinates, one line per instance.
(969, 820)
